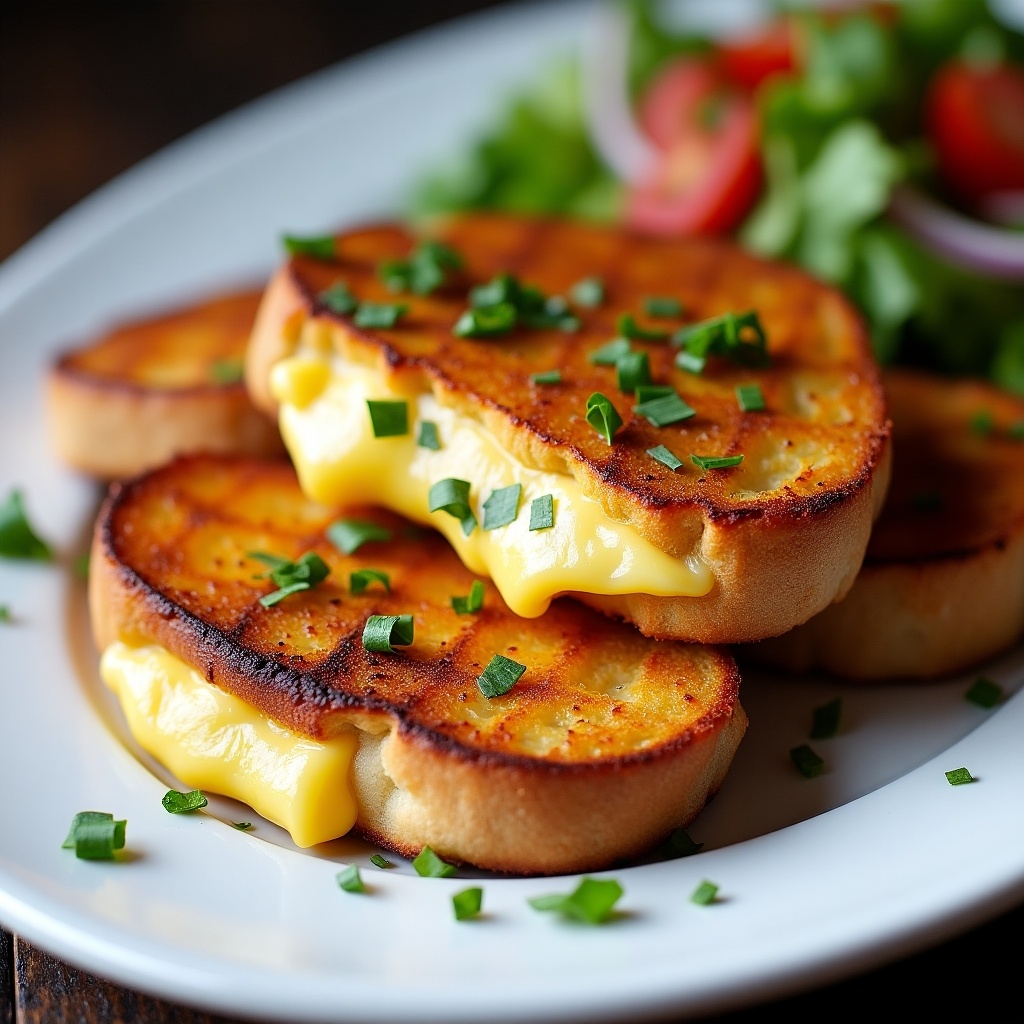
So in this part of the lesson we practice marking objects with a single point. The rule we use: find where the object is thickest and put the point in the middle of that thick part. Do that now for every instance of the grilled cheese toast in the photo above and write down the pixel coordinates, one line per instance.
(607, 742)
(711, 555)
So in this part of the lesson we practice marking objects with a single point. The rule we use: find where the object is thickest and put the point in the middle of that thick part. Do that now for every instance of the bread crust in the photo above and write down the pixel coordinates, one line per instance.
(784, 533)
(942, 586)
(143, 393)
(560, 775)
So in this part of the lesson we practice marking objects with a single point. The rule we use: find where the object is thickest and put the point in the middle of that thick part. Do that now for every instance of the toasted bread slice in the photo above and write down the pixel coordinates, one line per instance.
(720, 555)
(158, 387)
(607, 742)
(942, 586)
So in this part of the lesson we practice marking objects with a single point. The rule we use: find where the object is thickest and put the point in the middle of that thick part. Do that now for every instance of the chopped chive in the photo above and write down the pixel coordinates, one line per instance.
(588, 293)
(664, 410)
(716, 461)
(681, 845)
(426, 270)
(984, 692)
(183, 803)
(705, 894)
(646, 392)
(429, 865)
(633, 370)
(554, 313)
(663, 307)
(473, 603)
(467, 903)
(388, 418)
(629, 328)
(381, 862)
(504, 289)
(825, 722)
(227, 371)
(603, 416)
(737, 336)
(5, 613)
(95, 835)
(81, 566)
(542, 512)
(690, 363)
(338, 299)
(983, 422)
(926, 501)
(360, 580)
(959, 777)
(547, 377)
(428, 437)
(500, 675)
(242, 826)
(383, 633)
(349, 535)
(452, 496)
(749, 398)
(501, 507)
(610, 354)
(319, 247)
(291, 577)
(1015, 431)
(807, 762)
(379, 314)
(591, 902)
(17, 538)
(486, 322)
(665, 457)
(350, 880)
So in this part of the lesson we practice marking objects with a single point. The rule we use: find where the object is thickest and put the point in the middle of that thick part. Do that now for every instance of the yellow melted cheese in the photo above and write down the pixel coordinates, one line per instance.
(213, 741)
(326, 426)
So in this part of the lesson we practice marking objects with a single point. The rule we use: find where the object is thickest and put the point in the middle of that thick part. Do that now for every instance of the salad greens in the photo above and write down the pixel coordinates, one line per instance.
(837, 137)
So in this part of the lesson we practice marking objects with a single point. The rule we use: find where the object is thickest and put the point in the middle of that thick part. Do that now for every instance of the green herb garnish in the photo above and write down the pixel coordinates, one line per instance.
(610, 354)
(451, 495)
(383, 633)
(467, 903)
(737, 336)
(500, 675)
(664, 456)
(17, 538)
(542, 512)
(629, 328)
(959, 777)
(379, 314)
(501, 507)
(1015, 431)
(633, 370)
(983, 422)
(183, 803)
(350, 880)
(426, 270)
(716, 461)
(984, 692)
(825, 722)
(349, 535)
(663, 307)
(95, 835)
(227, 371)
(5, 613)
(487, 322)
(388, 418)
(360, 580)
(471, 604)
(428, 437)
(547, 377)
(290, 577)
(338, 299)
(807, 762)
(242, 826)
(381, 862)
(319, 247)
(591, 902)
(602, 416)
(647, 392)
(705, 894)
(749, 398)
(429, 865)
(664, 410)
(681, 845)
(588, 293)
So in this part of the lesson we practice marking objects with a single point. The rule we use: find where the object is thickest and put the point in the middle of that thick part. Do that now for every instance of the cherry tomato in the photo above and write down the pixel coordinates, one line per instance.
(709, 174)
(750, 60)
(974, 117)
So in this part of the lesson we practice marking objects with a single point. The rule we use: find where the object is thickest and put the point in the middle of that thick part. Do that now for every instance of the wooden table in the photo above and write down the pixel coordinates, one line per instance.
(89, 87)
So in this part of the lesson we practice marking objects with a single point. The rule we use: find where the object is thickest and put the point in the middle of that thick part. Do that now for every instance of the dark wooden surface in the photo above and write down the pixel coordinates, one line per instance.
(87, 88)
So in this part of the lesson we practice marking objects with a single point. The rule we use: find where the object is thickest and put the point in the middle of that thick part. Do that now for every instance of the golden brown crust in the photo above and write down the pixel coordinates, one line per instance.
(154, 388)
(942, 586)
(601, 715)
(816, 461)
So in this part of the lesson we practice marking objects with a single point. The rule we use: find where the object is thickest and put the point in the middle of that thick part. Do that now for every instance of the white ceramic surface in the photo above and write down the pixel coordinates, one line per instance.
(819, 878)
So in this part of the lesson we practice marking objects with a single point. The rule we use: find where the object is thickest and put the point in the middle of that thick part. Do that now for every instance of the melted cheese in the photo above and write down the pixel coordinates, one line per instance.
(213, 741)
(326, 427)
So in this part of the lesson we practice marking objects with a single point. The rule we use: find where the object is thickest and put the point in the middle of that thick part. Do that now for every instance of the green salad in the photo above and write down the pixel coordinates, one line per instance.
(878, 145)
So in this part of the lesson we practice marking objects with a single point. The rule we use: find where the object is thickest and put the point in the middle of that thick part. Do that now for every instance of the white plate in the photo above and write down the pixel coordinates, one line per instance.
(819, 878)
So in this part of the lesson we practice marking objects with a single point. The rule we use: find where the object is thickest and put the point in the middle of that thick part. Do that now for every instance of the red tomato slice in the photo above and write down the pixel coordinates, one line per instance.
(974, 117)
(752, 59)
(710, 172)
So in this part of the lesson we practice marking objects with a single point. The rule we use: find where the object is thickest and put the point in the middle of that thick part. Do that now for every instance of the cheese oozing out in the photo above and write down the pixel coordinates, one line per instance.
(326, 426)
(216, 742)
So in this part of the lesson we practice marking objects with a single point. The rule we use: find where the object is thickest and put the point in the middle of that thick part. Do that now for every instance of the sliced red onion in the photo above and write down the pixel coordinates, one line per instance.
(966, 242)
(609, 112)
